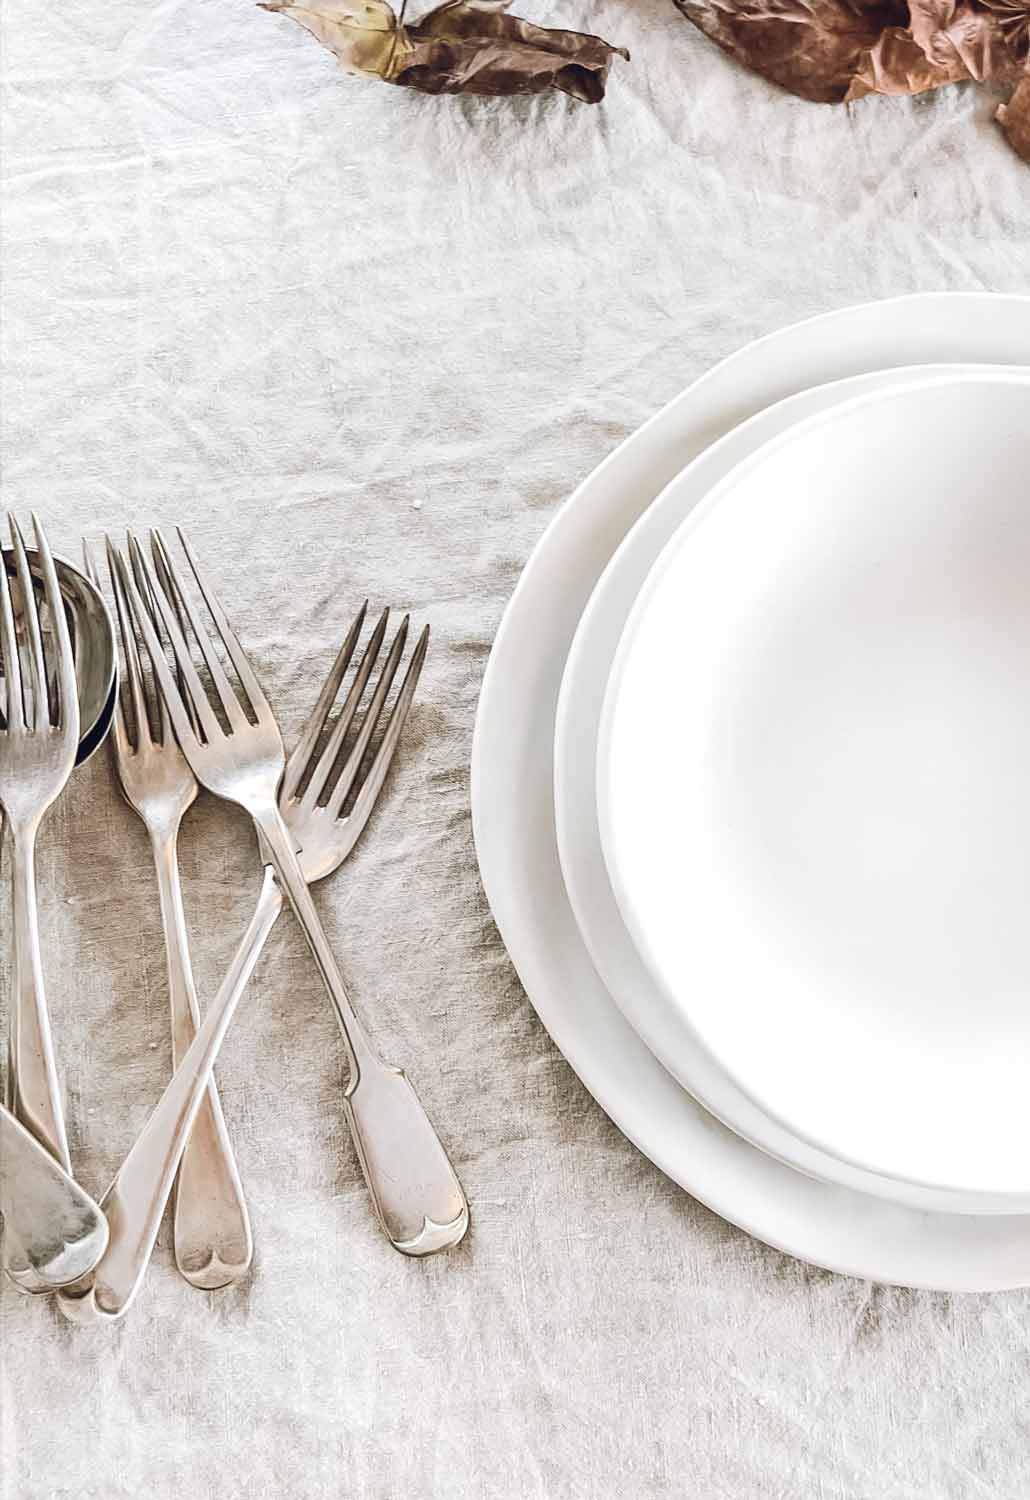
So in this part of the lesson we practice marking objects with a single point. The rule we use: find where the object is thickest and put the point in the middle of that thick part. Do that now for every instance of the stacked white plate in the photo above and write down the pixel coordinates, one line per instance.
(751, 789)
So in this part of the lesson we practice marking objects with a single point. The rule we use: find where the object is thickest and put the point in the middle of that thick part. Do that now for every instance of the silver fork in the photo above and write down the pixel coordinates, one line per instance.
(211, 1229)
(135, 1201)
(414, 1187)
(38, 743)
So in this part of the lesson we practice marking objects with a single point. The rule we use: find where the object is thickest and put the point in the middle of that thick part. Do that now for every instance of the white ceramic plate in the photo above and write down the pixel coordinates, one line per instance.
(513, 808)
(813, 792)
(664, 1027)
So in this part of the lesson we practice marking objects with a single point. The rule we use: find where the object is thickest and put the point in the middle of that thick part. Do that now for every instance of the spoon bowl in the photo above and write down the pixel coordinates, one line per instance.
(93, 644)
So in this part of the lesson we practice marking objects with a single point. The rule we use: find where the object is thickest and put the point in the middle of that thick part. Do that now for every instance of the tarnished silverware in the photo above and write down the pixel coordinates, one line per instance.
(210, 1226)
(325, 819)
(53, 1232)
(93, 643)
(92, 636)
(38, 745)
(414, 1187)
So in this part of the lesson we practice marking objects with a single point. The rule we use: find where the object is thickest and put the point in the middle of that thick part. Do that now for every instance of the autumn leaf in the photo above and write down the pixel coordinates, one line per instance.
(814, 48)
(837, 50)
(462, 47)
(364, 35)
(1014, 119)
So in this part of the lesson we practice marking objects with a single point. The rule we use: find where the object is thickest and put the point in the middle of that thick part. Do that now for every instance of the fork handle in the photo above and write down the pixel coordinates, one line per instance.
(211, 1227)
(33, 1091)
(136, 1200)
(416, 1192)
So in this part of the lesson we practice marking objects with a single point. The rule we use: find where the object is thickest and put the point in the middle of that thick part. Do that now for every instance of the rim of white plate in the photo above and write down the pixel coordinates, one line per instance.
(676, 1135)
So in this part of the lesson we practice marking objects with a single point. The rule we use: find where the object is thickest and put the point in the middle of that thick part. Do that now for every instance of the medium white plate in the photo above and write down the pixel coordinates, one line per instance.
(513, 808)
(664, 1027)
(813, 793)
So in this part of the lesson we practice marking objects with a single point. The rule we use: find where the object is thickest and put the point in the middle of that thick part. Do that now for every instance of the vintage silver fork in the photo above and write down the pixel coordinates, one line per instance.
(414, 1187)
(37, 753)
(210, 1226)
(325, 822)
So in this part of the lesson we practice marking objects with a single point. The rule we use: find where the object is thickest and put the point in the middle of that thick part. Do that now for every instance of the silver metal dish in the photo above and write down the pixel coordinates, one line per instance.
(93, 644)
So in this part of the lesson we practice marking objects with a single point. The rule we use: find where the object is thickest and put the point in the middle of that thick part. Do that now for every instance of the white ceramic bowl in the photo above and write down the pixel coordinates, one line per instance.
(813, 785)
(577, 727)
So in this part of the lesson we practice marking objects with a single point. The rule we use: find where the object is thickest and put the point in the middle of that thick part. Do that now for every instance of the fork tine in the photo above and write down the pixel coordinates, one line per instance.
(185, 732)
(89, 564)
(373, 782)
(166, 583)
(37, 665)
(354, 760)
(130, 651)
(119, 728)
(164, 723)
(146, 587)
(66, 715)
(244, 671)
(12, 661)
(316, 722)
(227, 697)
(323, 770)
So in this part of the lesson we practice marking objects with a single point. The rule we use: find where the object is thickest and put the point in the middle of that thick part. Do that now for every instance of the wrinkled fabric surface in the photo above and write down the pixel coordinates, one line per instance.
(363, 342)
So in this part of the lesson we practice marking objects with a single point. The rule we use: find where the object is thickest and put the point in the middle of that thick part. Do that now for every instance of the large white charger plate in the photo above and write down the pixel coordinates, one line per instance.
(812, 785)
(665, 1027)
(513, 808)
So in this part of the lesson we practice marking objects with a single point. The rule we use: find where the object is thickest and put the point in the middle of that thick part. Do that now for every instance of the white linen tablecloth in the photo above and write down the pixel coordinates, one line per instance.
(363, 342)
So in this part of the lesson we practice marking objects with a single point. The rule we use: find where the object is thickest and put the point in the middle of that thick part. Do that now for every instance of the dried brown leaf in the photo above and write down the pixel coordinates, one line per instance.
(462, 47)
(896, 64)
(814, 48)
(363, 33)
(973, 37)
(1014, 119)
(833, 50)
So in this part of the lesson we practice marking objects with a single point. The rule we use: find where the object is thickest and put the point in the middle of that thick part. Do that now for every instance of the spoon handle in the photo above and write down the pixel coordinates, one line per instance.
(34, 1094)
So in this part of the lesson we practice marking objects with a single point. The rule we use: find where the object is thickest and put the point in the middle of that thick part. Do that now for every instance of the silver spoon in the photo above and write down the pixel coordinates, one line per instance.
(92, 633)
(55, 1233)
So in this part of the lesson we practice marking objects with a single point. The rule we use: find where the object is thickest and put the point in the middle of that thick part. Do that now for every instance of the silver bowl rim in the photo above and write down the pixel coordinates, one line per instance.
(106, 710)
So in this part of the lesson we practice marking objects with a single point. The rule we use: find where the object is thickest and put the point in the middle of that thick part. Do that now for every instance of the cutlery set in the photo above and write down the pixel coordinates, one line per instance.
(194, 716)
